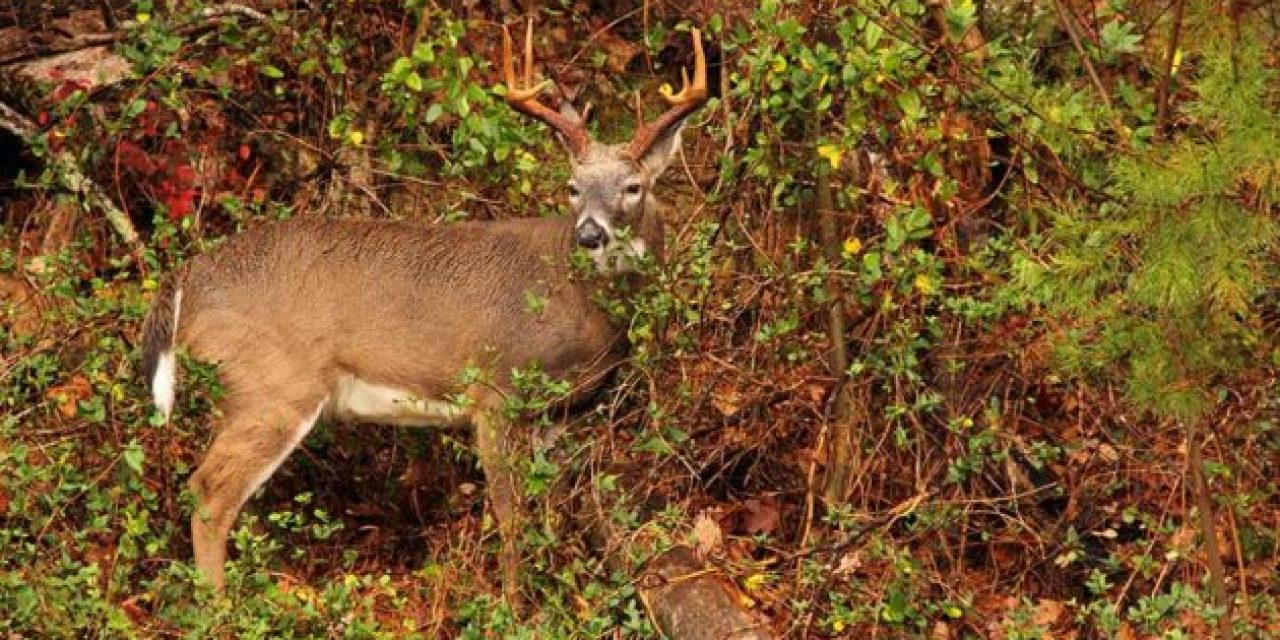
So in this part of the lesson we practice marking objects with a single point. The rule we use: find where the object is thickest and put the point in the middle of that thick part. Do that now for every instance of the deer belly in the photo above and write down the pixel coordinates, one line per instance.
(359, 400)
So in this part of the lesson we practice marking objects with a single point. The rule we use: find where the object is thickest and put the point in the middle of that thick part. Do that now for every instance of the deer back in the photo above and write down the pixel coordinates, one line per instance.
(400, 304)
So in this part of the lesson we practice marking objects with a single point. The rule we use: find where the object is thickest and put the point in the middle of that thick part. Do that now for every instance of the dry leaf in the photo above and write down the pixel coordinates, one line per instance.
(707, 537)
(727, 402)
(849, 562)
(1048, 612)
(70, 393)
(133, 610)
(762, 515)
(1108, 452)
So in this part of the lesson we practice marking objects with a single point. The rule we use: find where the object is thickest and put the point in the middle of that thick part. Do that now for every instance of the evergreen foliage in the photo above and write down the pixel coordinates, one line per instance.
(1165, 275)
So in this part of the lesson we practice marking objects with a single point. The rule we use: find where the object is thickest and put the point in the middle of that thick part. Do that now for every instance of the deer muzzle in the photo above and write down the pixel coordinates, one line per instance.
(591, 235)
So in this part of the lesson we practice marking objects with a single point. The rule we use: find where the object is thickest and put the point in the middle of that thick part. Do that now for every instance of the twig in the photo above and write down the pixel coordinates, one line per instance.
(205, 18)
(108, 16)
(74, 179)
(1166, 80)
(1068, 23)
(1208, 527)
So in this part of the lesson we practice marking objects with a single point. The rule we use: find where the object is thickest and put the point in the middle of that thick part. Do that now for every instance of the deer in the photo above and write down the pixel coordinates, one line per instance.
(374, 321)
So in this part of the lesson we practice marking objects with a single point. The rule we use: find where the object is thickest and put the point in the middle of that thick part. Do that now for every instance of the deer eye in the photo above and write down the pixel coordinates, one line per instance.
(632, 189)
(574, 192)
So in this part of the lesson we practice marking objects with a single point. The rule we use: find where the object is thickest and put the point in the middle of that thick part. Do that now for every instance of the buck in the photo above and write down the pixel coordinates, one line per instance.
(375, 321)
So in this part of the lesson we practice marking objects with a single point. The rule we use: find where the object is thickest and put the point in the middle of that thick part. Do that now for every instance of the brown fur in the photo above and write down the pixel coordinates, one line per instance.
(157, 329)
(288, 309)
(292, 312)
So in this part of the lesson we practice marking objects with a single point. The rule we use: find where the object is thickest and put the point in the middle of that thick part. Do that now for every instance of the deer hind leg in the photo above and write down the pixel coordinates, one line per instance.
(251, 445)
(500, 457)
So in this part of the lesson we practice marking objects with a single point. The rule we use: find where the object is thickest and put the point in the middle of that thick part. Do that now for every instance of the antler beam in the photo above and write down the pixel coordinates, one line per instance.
(691, 96)
(524, 97)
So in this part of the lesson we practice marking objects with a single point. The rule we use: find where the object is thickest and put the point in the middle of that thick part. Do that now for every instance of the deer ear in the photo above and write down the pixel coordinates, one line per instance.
(663, 150)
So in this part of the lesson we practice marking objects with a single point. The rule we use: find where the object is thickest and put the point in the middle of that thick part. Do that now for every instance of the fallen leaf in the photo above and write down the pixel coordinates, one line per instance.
(762, 515)
(133, 610)
(727, 402)
(67, 395)
(1048, 612)
(849, 562)
(707, 537)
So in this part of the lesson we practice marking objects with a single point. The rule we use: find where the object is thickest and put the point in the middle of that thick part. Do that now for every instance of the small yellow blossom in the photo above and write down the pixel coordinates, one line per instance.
(356, 137)
(924, 284)
(832, 154)
(852, 246)
(755, 582)
(143, 17)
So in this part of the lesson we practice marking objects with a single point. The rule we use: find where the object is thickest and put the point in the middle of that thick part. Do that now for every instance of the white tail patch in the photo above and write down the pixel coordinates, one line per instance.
(164, 384)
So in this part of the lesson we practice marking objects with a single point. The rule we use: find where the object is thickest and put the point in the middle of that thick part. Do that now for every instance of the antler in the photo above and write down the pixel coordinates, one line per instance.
(525, 100)
(691, 97)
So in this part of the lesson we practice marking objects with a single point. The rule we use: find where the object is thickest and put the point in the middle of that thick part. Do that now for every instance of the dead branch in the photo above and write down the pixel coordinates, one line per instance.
(205, 18)
(74, 180)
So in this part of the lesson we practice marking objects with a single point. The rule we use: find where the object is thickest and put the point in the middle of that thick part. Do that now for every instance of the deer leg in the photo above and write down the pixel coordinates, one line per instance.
(247, 450)
(499, 459)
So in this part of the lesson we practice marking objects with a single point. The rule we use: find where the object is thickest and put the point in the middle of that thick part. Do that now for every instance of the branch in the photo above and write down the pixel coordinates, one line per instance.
(1068, 23)
(74, 179)
(204, 19)
(1166, 80)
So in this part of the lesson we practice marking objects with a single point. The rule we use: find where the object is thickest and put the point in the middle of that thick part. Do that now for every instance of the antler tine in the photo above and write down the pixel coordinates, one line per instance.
(525, 98)
(692, 95)
(528, 53)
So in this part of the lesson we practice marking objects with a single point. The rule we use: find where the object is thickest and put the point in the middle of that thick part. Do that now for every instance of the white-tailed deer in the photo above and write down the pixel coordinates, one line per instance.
(375, 321)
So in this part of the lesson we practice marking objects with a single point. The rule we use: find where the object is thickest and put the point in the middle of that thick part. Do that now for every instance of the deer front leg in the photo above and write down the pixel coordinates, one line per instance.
(499, 457)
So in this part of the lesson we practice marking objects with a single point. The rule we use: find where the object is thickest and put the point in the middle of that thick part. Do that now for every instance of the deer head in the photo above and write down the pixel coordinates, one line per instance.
(611, 185)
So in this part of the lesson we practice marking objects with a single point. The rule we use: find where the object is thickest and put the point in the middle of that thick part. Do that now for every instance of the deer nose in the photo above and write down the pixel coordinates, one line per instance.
(591, 235)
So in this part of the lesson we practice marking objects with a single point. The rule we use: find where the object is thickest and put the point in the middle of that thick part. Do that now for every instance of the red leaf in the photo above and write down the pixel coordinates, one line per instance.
(762, 515)
(243, 152)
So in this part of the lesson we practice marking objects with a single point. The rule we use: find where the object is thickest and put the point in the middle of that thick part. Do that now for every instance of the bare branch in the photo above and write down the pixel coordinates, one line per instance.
(74, 179)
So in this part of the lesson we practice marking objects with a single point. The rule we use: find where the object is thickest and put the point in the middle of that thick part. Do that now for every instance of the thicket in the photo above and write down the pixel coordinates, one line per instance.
(967, 326)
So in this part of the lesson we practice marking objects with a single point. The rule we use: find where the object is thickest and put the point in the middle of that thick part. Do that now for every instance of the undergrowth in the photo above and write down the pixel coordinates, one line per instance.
(1051, 249)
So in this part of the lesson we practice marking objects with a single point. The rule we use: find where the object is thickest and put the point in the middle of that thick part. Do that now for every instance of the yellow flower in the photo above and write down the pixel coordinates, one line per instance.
(925, 284)
(852, 246)
(143, 18)
(356, 138)
(837, 626)
(832, 154)
(755, 582)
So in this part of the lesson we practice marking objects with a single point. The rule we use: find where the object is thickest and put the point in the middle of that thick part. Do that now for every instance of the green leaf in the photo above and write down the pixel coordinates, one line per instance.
(134, 456)
(423, 52)
(135, 108)
(413, 81)
(401, 68)
(433, 113)
(1118, 37)
(272, 71)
